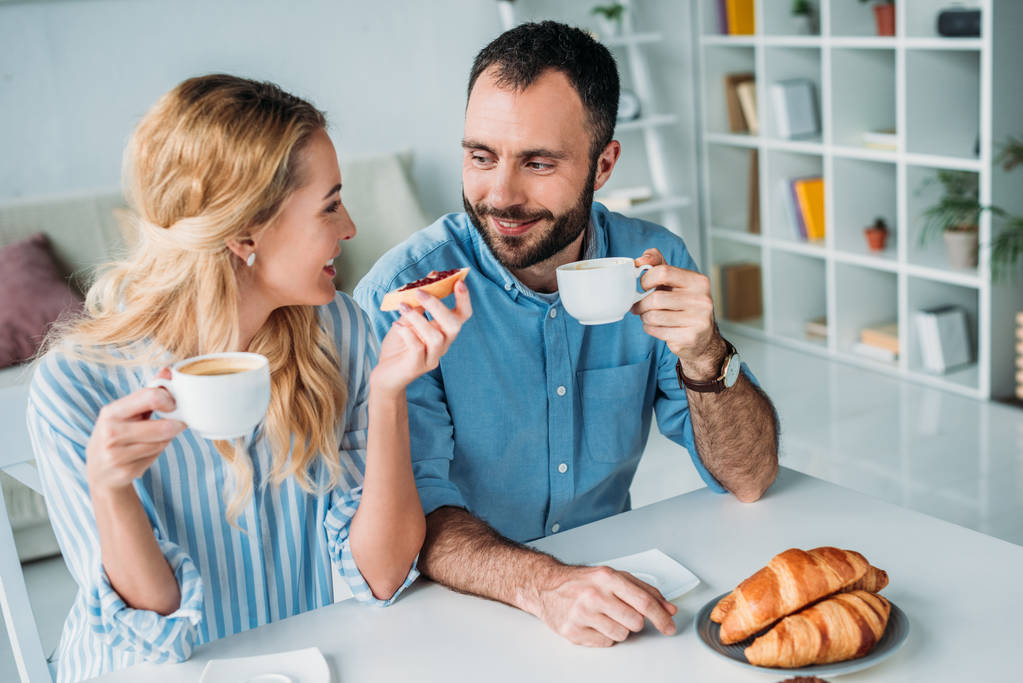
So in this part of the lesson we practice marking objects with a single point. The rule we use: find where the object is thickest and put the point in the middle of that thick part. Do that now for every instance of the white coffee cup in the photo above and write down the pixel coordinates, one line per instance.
(219, 395)
(599, 291)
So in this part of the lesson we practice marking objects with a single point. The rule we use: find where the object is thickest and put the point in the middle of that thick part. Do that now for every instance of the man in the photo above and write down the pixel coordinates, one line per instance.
(534, 423)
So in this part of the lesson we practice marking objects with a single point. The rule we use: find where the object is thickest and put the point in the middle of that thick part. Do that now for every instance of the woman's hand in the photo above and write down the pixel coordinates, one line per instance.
(125, 442)
(414, 345)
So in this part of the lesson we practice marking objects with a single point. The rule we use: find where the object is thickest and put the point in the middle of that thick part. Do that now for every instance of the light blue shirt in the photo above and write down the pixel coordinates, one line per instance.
(276, 565)
(534, 422)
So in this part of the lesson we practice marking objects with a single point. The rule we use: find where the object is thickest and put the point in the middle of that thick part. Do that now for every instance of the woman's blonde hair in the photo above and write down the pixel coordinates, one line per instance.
(213, 160)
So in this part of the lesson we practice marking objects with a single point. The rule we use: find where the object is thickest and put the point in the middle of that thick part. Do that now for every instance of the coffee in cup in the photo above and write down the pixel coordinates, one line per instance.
(219, 395)
(599, 291)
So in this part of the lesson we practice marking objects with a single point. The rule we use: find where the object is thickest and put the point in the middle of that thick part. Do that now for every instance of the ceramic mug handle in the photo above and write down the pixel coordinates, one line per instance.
(639, 273)
(167, 384)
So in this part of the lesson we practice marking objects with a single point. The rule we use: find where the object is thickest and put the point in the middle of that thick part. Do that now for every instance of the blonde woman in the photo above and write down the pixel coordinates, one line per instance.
(175, 540)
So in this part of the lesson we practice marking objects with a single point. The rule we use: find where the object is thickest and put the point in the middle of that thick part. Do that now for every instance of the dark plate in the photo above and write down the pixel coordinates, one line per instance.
(891, 640)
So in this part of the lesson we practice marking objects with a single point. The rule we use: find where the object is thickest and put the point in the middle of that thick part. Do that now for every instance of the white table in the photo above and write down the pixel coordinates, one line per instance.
(960, 589)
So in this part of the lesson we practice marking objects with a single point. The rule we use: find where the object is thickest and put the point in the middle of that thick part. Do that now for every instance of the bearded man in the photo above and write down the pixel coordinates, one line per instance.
(533, 423)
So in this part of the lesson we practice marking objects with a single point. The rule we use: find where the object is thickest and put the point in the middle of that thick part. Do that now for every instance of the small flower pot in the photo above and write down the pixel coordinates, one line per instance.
(961, 248)
(884, 15)
(877, 238)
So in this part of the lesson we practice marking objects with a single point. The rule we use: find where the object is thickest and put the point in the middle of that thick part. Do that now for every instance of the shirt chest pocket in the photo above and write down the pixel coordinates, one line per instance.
(613, 402)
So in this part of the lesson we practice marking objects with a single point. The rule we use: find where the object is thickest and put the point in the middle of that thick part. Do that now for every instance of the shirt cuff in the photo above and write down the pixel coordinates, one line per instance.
(150, 636)
(437, 495)
(338, 523)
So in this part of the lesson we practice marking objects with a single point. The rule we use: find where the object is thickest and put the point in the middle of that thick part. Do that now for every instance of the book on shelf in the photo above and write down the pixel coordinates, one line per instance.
(809, 194)
(803, 199)
(747, 93)
(881, 139)
(753, 216)
(944, 338)
(795, 108)
(740, 17)
(787, 199)
(736, 119)
(884, 336)
(722, 17)
(816, 329)
(874, 353)
(736, 290)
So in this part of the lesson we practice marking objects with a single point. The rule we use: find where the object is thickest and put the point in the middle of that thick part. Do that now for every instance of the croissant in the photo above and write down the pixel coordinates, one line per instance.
(790, 581)
(872, 581)
(844, 626)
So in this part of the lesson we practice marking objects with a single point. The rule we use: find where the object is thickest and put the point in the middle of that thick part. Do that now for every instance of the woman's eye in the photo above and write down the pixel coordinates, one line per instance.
(334, 207)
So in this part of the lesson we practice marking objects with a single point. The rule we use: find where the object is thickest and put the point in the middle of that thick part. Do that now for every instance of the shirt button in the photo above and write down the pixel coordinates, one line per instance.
(554, 313)
(507, 286)
(555, 527)
(562, 390)
(563, 468)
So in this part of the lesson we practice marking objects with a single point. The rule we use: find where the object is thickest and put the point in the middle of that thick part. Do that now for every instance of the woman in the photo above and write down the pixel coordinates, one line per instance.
(175, 540)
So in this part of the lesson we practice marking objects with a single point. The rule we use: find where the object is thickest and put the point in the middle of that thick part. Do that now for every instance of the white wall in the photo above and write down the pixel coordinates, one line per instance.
(76, 75)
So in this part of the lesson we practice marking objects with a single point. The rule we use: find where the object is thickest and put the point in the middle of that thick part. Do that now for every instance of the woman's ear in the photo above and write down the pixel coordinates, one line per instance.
(241, 247)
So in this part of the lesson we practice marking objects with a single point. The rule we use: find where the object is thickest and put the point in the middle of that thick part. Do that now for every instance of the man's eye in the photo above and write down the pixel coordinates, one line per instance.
(539, 165)
(479, 159)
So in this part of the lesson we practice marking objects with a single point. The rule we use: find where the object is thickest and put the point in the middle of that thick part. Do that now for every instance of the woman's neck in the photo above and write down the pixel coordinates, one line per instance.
(253, 312)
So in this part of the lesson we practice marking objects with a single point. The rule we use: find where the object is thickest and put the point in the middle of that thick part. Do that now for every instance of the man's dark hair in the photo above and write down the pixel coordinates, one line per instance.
(522, 54)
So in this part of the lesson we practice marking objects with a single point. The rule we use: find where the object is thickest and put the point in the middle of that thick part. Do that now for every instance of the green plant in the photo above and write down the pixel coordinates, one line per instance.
(1011, 154)
(612, 12)
(959, 209)
(1007, 248)
(959, 206)
(802, 7)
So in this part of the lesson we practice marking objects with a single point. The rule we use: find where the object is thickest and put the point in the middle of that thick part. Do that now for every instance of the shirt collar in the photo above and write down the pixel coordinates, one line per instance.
(594, 246)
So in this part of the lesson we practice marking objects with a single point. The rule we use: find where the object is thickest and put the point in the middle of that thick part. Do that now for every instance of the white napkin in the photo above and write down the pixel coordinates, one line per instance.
(657, 569)
(295, 666)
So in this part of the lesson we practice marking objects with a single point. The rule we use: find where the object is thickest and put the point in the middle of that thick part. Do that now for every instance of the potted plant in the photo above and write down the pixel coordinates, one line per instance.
(1007, 246)
(954, 216)
(884, 16)
(808, 9)
(877, 234)
(609, 18)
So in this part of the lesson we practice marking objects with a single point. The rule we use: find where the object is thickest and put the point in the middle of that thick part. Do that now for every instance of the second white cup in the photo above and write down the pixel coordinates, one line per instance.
(599, 291)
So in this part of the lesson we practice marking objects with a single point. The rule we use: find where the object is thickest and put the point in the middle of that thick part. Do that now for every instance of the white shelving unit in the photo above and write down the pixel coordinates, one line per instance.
(666, 202)
(944, 97)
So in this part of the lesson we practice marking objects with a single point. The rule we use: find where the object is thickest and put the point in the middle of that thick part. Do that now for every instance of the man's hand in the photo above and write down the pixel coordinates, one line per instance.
(598, 606)
(681, 314)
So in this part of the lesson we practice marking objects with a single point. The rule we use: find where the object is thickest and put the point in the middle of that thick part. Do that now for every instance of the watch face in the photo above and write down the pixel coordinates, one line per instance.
(732, 370)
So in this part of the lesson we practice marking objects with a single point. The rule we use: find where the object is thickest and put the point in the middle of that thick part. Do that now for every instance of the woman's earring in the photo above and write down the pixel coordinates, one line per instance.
(251, 259)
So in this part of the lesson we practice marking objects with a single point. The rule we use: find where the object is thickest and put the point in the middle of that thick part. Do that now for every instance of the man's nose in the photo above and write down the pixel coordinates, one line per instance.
(506, 188)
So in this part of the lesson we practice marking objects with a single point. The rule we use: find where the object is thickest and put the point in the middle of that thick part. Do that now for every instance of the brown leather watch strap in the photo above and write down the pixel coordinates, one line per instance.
(713, 386)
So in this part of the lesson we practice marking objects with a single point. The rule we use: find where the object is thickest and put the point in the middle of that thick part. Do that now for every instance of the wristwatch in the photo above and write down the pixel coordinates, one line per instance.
(726, 378)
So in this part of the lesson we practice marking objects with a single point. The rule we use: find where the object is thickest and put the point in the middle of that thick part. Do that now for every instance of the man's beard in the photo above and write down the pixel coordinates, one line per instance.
(513, 252)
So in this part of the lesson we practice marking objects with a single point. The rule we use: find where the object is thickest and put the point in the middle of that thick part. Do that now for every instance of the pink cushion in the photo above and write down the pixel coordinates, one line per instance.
(33, 294)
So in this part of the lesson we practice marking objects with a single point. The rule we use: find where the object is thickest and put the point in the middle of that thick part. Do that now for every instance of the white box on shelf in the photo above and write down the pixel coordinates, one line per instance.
(944, 338)
(795, 108)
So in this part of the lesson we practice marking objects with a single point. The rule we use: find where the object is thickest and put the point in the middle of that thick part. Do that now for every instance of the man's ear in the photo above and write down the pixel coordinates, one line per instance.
(606, 163)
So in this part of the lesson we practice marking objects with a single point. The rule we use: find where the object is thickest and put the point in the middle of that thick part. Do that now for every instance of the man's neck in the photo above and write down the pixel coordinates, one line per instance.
(541, 277)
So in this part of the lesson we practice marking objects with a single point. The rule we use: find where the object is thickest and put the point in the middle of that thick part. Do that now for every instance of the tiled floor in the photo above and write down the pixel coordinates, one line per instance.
(940, 453)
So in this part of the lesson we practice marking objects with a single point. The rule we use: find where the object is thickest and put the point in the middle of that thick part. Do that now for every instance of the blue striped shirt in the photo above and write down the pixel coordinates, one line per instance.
(276, 566)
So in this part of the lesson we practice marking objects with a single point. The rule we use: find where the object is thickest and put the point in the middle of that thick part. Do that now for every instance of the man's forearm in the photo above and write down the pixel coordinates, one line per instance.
(467, 555)
(736, 434)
